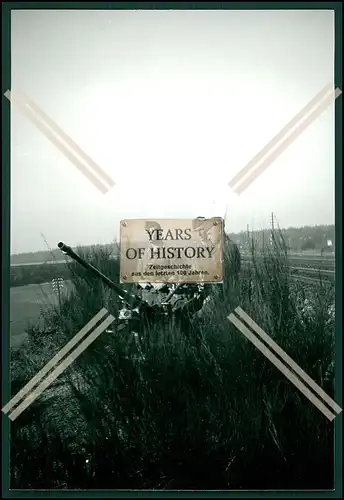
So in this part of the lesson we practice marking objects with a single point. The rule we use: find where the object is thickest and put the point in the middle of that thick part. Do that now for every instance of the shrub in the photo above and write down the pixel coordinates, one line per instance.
(204, 411)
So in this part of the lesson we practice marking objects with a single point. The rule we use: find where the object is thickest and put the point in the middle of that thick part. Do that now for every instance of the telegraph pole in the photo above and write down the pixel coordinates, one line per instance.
(272, 229)
(272, 221)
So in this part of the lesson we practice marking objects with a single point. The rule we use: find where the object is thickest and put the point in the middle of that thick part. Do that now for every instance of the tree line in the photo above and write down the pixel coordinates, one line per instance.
(295, 238)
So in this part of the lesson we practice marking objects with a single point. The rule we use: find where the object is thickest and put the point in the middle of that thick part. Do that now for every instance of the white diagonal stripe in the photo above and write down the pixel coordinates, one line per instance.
(25, 99)
(288, 360)
(284, 139)
(53, 362)
(278, 364)
(287, 142)
(281, 134)
(61, 367)
(64, 143)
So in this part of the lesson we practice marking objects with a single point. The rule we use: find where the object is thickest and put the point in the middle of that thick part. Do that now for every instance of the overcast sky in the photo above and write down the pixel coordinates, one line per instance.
(171, 104)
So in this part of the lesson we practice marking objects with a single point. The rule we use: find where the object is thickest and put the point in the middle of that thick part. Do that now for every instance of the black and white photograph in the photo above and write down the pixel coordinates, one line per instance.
(224, 381)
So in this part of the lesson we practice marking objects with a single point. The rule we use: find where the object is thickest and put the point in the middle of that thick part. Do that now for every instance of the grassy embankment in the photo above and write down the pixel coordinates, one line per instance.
(203, 411)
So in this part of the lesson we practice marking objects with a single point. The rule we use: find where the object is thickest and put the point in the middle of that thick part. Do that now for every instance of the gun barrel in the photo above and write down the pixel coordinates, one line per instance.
(124, 294)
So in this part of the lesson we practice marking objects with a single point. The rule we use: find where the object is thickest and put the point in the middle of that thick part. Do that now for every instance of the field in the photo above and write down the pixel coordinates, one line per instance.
(26, 305)
(199, 408)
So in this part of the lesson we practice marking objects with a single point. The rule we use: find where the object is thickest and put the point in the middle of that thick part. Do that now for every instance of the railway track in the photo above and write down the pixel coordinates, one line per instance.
(323, 262)
(311, 280)
(303, 273)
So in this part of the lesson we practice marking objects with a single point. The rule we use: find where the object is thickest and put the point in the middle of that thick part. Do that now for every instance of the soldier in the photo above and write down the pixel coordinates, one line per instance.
(207, 234)
(230, 249)
(206, 231)
(229, 290)
(233, 256)
(232, 268)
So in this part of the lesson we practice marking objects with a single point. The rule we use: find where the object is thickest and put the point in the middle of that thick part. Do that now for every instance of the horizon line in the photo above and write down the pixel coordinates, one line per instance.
(78, 245)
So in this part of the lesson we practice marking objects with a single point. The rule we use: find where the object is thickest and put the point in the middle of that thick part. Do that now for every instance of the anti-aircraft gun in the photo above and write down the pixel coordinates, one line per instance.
(153, 304)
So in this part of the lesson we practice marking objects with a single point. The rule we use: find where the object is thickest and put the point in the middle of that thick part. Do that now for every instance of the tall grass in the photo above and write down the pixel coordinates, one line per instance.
(201, 411)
